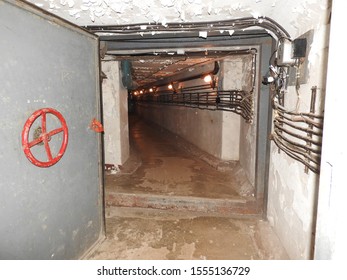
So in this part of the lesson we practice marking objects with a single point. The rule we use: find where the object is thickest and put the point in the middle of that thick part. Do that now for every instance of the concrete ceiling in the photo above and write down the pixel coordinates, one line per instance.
(156, 69)
(292, 15)
(86, 12)
(149, 70)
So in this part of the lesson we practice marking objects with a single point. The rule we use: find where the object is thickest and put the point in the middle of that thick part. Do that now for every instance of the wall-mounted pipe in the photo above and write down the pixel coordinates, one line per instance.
(233, 24)
(299, 134)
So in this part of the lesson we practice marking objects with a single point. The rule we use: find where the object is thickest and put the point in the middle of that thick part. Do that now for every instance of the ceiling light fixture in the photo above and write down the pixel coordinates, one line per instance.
(207, 79)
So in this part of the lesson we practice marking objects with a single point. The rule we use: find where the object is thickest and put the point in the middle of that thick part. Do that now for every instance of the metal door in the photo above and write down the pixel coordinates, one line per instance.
(49, 95)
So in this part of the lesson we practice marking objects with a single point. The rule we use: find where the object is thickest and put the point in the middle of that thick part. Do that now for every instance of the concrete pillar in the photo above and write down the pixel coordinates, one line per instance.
(231, 75)
(230, 136)
(115, 113)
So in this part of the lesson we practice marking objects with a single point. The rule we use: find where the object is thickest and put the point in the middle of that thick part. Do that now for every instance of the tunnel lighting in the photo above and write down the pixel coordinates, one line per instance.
(208, 79)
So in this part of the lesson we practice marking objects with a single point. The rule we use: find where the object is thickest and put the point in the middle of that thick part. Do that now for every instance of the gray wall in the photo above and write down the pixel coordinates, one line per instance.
(53, 212)
(203, 128)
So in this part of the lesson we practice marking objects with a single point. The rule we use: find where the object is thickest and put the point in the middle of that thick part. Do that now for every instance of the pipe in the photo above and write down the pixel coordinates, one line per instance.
(234, 24)
(297, 150)
(281, 108)
(306, 139)
(232, 101)
(293, 155)
(308, 130)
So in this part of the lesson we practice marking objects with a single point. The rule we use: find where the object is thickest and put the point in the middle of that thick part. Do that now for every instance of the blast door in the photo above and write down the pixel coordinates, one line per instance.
(51, 203)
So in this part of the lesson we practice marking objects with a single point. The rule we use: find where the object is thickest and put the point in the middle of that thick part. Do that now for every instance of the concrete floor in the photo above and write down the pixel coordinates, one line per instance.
(166, 172)
(150, 234)
(172, 201)
(165, 165)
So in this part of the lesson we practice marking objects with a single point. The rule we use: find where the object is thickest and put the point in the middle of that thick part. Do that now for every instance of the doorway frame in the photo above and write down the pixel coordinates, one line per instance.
(265, 44)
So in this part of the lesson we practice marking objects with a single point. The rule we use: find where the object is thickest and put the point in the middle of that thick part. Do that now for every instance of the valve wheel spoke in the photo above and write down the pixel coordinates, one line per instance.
(44, 137)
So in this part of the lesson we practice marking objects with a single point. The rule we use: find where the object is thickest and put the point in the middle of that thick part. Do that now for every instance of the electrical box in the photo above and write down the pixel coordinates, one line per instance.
(289, 51)
(299, 47)
(285, 53)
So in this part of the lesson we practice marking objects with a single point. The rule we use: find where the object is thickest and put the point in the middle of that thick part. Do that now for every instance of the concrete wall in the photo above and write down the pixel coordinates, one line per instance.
(203, 128)
(293, 193)
(230, 149)
(331, 242)
(115, 113)
(230, 78)
(236, 73)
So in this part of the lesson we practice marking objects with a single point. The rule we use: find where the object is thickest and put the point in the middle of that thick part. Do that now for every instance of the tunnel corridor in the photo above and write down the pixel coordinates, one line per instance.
(164, 165)
(191, 164)
(168, 202)
(227, 151)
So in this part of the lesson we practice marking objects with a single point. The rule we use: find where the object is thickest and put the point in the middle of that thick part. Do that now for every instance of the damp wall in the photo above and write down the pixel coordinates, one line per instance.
(115, 115)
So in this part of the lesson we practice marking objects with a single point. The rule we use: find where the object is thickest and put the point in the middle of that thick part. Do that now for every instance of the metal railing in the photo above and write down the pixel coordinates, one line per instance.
(209, 96)
(237, 101)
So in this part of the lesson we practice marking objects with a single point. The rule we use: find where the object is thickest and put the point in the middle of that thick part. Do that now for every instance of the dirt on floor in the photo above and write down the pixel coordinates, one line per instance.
(147, 234)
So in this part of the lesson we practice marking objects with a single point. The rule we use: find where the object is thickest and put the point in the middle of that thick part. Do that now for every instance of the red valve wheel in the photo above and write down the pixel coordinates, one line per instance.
(44, 137)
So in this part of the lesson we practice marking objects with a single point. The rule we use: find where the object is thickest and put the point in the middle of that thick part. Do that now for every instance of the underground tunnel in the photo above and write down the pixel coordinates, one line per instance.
(220, 120)
(195, 108)
(210, 122)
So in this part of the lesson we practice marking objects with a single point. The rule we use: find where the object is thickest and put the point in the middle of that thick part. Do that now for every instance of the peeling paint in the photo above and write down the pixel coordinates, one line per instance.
(164, 11)
(203, 34)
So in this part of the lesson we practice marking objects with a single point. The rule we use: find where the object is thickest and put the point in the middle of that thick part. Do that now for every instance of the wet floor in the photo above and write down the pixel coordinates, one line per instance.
(148, 234)
(163, 165)
(163, 169)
